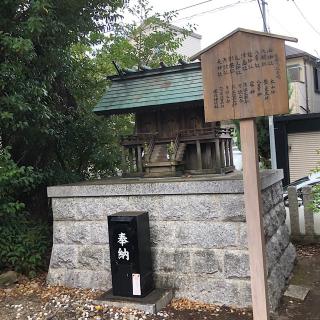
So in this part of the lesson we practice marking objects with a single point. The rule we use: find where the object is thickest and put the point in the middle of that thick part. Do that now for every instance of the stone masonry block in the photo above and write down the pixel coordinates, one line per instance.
(209, 290)
(99, 232)
(88, 279)
(77, 233)
(92, 209)
(171, 260)
(243, 236)
(207, 235)
(163, 234)
(276, 246)
(165, 280)
(267, 203)
(131, 203)
(277, 193)
(85, 232)
(274, 219)
(56, 276)
(206, 262)
(287, 260)
(279, 275)
(63, 209)
(236, 264)
(59, 232)
(281, 212)
(91, 257)
(64, 256)
(163, 259)
(276, 283)
(232, 207)
(182, 261)
(245, 296)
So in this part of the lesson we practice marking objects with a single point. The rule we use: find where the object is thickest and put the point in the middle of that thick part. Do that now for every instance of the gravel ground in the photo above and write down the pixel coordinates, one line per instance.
(33, 299)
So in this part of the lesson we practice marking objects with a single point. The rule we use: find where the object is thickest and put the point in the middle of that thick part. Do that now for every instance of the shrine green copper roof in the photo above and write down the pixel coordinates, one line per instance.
(152, 88)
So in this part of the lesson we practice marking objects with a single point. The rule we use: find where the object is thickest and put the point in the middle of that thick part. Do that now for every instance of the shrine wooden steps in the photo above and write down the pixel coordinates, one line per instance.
(161, 165)
(180, 152)
(159, 153)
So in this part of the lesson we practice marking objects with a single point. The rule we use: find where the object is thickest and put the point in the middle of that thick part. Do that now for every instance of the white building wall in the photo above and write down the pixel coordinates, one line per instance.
(299, 97)
(313, 96)
(190, 46)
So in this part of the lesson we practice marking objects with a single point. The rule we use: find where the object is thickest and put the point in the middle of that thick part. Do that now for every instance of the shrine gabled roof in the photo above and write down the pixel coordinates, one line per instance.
(152, 88)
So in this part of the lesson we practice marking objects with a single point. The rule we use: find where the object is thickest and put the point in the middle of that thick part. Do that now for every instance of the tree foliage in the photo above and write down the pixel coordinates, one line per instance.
(55, 56)
(23, 241)
(40, 96)
(147, 40)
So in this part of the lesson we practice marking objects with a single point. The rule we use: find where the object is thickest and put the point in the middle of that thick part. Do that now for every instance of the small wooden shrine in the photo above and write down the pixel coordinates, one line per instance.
(170, 136)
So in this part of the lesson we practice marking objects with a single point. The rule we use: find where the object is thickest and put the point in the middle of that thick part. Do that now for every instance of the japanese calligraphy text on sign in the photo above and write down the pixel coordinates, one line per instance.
(244, 76)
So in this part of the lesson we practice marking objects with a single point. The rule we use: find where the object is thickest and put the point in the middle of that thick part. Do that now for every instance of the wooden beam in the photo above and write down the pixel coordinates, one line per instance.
(254, 217)
(199, 158)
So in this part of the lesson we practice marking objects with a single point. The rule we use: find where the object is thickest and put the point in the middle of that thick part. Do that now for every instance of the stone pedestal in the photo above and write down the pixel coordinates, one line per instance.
(198, 234)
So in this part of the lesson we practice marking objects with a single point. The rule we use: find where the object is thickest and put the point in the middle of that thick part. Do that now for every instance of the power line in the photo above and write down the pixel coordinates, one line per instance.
(193, 5)
(281, 25)
(305, 18)
(215, 9)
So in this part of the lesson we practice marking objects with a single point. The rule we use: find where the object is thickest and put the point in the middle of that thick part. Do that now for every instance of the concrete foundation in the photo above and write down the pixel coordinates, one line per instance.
(198, 234)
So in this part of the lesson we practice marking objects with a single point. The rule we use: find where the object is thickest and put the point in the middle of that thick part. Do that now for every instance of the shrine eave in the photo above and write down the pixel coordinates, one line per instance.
(161, 87)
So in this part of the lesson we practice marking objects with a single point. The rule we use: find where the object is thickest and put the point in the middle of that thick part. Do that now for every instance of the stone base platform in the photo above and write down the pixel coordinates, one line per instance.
(197, 229)
(152, 303)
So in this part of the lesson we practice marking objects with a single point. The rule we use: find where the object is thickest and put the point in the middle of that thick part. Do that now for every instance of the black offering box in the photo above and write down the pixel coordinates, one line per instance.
(130, 254)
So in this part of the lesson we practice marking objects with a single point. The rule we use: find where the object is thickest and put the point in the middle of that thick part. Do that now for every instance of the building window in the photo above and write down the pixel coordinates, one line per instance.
(294, 73)
(316, 73)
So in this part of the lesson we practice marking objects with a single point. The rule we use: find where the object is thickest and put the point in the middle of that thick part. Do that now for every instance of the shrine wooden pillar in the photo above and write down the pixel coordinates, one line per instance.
(217, 155)
(231, 152)
(199, 158)
(226, 149)
(222, 156)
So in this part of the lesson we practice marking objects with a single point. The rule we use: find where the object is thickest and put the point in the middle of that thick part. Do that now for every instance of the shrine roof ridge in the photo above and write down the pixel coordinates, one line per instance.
(259, 33)
(140, 73)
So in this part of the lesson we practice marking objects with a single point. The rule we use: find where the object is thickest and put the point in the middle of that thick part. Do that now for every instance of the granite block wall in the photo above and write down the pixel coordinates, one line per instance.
(198, 236)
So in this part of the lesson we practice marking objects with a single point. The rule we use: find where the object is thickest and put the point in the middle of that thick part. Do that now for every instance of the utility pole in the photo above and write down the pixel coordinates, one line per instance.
(271, 124)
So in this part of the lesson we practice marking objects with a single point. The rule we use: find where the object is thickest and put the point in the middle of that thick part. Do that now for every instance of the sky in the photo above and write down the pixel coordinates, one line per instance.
(216, 18)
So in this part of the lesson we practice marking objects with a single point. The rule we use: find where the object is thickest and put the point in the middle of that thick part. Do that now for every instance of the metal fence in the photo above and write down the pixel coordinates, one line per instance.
(303, 223)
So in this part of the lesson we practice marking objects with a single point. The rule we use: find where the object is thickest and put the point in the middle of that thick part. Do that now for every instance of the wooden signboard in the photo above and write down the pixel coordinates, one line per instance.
(244, 76)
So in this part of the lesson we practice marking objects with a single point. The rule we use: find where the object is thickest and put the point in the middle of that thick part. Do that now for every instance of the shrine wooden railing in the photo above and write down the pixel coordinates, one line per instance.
(138, 148)
(203, 132)
(139, 138)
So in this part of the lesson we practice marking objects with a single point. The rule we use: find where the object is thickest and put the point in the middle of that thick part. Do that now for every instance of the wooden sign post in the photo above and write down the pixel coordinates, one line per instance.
(244, 77)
